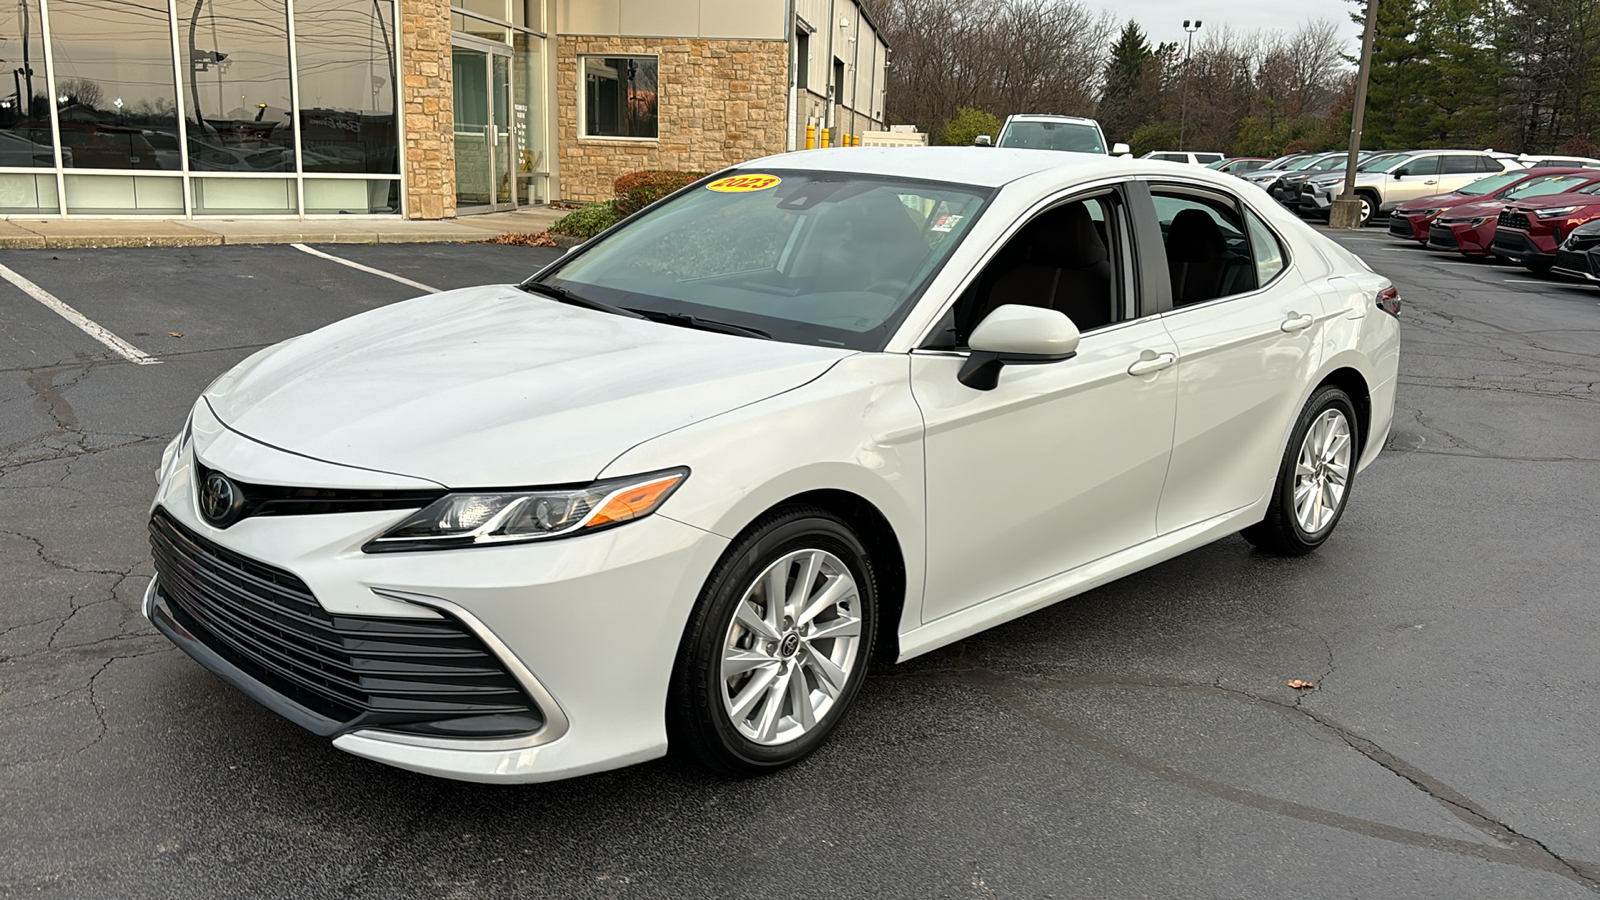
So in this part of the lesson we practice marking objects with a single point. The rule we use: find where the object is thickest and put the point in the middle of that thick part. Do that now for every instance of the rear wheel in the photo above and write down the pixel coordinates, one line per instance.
(1314, 478)
(777, 647)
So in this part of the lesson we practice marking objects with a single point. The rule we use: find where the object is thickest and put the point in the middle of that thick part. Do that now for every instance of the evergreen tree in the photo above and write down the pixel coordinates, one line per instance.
(1122, 109)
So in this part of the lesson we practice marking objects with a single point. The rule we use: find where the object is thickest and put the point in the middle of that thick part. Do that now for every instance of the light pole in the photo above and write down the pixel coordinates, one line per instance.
(1183, 112)
(1346, 211)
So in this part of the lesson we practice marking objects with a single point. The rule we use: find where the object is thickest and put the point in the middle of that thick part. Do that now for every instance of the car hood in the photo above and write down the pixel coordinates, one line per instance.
(1475, 209)
(495, 387)
(1548, 201)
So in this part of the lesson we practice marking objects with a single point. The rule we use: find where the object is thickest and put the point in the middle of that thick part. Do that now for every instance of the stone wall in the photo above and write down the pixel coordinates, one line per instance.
(720, 102)
(427, 106)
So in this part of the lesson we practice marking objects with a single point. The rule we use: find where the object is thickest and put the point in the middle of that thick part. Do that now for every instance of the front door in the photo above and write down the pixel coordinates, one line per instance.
(481, 73)
(1061, 463)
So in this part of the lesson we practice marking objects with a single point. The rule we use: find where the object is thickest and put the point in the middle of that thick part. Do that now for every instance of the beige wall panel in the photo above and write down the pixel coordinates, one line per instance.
(660, 18)
(743, 19)
(589, 16)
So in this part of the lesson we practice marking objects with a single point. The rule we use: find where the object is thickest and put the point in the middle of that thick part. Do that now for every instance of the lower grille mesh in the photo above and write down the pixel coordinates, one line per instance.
(424, 676)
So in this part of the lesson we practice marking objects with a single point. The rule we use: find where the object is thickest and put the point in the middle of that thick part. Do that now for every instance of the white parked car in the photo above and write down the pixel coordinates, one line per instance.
(1182, 156)
(1073, 134)
(684, 484)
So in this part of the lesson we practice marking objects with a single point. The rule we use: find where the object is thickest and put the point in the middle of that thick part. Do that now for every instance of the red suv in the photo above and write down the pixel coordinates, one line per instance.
(1469, 227)
(1414, 217)
(1528, 231)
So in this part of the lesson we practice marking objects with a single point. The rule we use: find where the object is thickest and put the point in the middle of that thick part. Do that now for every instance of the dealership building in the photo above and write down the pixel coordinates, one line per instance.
(414, 108)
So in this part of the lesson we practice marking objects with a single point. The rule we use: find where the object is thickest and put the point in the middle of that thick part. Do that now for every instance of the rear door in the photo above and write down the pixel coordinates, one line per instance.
(1244, 355)
(1458, 170)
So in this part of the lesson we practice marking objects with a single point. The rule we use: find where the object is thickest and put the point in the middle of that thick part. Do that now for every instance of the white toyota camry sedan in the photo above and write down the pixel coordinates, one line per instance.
(681, 487)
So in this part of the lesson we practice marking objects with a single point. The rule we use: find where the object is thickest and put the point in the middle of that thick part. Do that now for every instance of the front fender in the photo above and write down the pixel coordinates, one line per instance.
(855, 429)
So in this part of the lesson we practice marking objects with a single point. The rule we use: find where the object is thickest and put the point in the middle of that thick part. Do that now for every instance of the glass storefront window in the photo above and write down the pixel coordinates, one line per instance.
(346, 55)
(24, 101)
(329, 196)
(114, 83)
(236, 61)
(619, 96)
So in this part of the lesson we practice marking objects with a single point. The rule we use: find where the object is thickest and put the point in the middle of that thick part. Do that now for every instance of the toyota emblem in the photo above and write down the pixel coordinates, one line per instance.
(220, 500)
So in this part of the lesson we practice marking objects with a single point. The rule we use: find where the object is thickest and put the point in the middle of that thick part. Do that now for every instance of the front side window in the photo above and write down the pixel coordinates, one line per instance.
(1208, 253)
(1069, 136)
(1426, 165)
(807, 257)
(620, 95)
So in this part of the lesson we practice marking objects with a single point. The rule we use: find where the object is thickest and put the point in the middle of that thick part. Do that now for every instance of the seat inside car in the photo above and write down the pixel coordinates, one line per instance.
(1196, 257)
(869, 241)
(1058, 261)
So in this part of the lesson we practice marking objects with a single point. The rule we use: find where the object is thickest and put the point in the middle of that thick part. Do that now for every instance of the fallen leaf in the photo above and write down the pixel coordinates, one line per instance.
(1299, 685)
(174, 334)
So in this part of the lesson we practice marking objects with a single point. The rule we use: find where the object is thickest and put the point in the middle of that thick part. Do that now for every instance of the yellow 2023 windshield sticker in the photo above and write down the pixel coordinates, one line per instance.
(739, 184)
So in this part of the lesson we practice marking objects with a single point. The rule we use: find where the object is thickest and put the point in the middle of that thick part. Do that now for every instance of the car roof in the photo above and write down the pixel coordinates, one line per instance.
(983, 166)
(1049, 117)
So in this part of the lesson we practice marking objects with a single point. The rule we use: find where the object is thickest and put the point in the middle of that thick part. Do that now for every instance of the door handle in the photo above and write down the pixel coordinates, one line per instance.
(1431, 181)
(1296, 323)
(1152, 363)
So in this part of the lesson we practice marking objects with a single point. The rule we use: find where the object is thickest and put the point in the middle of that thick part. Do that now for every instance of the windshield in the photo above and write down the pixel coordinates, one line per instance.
(1330, 162)
(826, 258)
(1491, 184)
(1299, 164)
(1547, 184)
(1070, 136)
(1218, 164)
(1281, 161)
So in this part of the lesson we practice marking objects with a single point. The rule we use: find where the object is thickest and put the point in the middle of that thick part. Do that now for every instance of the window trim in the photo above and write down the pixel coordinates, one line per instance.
(1130, 274)
(583, 100)
(1242, 205)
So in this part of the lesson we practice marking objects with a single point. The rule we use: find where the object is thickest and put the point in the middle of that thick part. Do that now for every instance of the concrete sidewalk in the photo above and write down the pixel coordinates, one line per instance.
(34, 234)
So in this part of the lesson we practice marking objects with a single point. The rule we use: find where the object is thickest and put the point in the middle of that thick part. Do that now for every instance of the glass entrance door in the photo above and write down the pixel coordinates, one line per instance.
(481, 75)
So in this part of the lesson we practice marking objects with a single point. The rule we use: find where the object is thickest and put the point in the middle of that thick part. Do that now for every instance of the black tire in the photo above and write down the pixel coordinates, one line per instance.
(1281, 532)
(698, 723)
(1369, 209)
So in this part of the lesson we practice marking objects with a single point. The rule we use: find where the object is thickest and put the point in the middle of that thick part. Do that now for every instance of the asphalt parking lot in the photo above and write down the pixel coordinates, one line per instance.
(1138, 741)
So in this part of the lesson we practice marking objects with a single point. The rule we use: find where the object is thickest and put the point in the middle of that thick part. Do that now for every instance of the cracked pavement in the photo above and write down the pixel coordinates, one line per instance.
(1137, 741)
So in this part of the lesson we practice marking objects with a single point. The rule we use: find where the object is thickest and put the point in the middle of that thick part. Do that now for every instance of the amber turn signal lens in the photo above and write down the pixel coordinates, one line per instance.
(633, 502)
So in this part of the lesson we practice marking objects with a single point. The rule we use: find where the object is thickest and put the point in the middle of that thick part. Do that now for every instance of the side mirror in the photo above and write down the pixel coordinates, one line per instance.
(1016, 335)
(1401, 173)
(1120, 149)
(983, 140)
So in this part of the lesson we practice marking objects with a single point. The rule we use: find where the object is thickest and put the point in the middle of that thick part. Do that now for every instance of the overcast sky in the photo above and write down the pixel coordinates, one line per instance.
(1163, 19)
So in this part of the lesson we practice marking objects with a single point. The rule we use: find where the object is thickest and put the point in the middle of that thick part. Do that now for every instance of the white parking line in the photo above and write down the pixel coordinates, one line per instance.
(85, 324)
(379, 272)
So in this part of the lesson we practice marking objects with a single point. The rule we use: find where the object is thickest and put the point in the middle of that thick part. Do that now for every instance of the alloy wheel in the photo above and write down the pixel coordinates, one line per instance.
(790, 648)
(1322, 471)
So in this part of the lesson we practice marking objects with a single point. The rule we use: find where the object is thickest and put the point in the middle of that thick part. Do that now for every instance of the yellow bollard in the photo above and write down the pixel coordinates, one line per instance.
(823, 142)
(811, 137)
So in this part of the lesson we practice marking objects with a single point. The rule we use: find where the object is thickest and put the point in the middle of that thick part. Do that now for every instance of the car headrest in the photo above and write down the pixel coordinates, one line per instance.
(1067, 238)
(1194, 238)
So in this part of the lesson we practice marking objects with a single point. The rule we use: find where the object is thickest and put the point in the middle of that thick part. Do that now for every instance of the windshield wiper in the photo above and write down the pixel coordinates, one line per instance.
(688, 321)
(571, 299)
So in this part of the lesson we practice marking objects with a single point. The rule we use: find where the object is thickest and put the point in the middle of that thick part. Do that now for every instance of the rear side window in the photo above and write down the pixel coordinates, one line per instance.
(1460, 165)
(1208, 252)
(1265, 249)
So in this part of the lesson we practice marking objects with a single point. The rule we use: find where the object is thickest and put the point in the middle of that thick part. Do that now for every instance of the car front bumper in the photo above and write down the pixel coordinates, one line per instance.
(588, 625)
(1521, 247)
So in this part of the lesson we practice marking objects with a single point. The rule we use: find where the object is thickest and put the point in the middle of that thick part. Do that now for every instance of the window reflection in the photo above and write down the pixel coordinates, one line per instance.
(114, 83)
(236, 66)
(24, 103)
(346, 56)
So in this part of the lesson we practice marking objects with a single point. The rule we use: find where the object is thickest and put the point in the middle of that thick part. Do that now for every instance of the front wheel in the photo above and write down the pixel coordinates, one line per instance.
(778, 645)
(1368, 210)
(1314, 478)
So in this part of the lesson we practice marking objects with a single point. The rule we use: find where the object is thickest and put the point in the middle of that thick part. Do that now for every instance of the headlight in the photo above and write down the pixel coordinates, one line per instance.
(472, 518)
(1555, 211)
(1427, 213)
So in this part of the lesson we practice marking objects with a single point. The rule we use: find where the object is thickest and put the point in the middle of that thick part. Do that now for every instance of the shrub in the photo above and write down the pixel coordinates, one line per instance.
(967, 125)
(636, 190)
(588, 220)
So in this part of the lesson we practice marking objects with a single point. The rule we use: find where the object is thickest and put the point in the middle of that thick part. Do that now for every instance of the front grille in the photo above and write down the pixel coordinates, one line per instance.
(1401, 226)
(1510, 219)
(1574, 262)
(1440, 236)
(423, 676)
(1513, 243)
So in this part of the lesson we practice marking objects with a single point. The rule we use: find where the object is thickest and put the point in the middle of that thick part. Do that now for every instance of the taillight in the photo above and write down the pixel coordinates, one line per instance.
(1389, 300)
